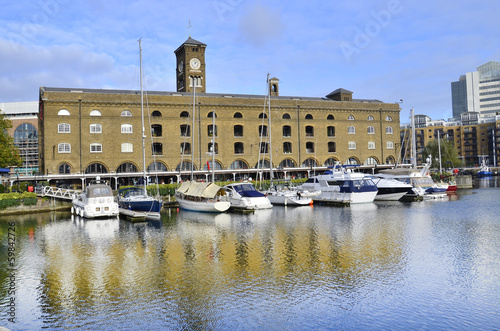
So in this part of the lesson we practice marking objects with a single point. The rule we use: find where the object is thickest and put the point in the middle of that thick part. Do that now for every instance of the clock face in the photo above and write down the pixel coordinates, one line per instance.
(194, 63)
(181, 66)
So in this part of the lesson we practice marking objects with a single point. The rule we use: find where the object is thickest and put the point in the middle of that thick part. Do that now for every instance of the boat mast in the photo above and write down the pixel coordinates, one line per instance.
(413, 155)
(194, 80)
(439, 150)
(269, 131)
(213, 146)
(142, 121)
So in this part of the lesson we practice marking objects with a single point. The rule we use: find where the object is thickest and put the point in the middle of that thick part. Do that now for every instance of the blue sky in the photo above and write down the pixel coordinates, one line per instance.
(386, 50)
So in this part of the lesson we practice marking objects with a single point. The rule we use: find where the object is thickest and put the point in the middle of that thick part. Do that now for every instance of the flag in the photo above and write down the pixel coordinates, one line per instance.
(208, 165)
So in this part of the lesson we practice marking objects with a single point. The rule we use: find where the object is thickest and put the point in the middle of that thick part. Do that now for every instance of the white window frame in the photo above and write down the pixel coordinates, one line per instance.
(370, 130)
(64, 128)
(63, 112)
(390, 145)
(95, 112)
(371, 145)
(351, 130)
(350, 118)
(95, 128)
(388, 118)
(127, 128)
(64, 148)
(370, 118)
(95, 148)
(127, 148)
(126, 113)
(388, 130)
(351, 145)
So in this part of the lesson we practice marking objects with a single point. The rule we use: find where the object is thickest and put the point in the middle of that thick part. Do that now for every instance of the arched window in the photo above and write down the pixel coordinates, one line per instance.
(263, 164)
(287, 163)
(388, 119)
(262, 130)
(127, 148)
(371, 161)
(238, 148)
(331, 147)
(157, 166)
(185, 165)
(370, 118)
(287, 131)
(63, 112)
(96, 168)
(352, 161)
(95, 128)
(388, 130)
(64, 169)
(330, 117)
(237, 115)
(211, 131)
(126, 113)
(184, 114)
(95, 148)
(126, 167)
(309, 117)
(64, 148)
(371, 130)
(262, 115)
(24, 132)
(157, 148)
(309, 147)
(95, 112)
(156, 130)
(351, 130)
(351, 145)
(309, 131)
(211, 114)
(156, 113)
(390, 145)
(185, 130)
(126, 128)
(350, 118)
(330, 162)
(309, 163)
(287, 147)
(216, 165)
(210, 150)
(330, 131)
(185, 148)
(371, 145)
(286, 116)
(238, 164)
(238, 130)
(390, 160)
(63, 128)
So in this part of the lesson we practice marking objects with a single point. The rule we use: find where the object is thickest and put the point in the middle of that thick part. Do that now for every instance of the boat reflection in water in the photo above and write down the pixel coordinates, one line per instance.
(383, 265)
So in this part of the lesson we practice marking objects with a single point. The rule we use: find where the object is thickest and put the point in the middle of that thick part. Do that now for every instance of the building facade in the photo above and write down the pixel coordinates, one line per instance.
(89, 131)
(24, 118)
(474, 136)
(477, 91)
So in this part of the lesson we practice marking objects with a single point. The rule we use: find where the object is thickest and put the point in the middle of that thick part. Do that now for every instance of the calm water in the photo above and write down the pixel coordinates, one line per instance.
(429, 265)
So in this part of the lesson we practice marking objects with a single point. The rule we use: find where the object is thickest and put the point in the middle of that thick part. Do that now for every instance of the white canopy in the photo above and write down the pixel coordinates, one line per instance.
(199, 189)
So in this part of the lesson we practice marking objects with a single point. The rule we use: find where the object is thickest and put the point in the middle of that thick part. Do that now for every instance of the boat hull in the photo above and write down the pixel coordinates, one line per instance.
(346, 197)
(391, 194)
(284, 200)
(147, 204)
(204, 206)
(97, 210)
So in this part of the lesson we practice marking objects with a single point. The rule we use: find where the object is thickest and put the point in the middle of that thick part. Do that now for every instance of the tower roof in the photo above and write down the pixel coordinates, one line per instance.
(191, 41)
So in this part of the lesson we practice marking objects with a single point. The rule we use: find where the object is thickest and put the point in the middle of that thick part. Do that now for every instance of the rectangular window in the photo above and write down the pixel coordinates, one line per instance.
(371, 145)
(64, 148)
(126, 128)
(63, 128)
(95, 148)
(95, 128)
(127, 148)
(352, 145)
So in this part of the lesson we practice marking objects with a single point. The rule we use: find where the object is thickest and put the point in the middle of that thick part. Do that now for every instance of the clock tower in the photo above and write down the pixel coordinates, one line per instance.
(190, 71)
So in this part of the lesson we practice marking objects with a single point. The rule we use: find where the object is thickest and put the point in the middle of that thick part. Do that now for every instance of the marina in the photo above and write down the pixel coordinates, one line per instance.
(429, 264)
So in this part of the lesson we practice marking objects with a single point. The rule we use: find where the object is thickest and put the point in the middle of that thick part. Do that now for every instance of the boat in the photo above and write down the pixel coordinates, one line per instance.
(341, 186)
(244, 196)
(202, 196)
(283, 193)
(389, 188)
(280, 192)
(484, 171)
(135, 202)
(97, 200)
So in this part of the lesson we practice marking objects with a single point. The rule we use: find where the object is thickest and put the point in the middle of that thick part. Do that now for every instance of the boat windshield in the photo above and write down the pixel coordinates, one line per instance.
(247, 190)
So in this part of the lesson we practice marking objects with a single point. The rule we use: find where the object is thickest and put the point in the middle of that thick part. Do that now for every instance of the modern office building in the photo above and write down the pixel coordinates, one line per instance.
(24, 118)
(97, 131)
(477, 91)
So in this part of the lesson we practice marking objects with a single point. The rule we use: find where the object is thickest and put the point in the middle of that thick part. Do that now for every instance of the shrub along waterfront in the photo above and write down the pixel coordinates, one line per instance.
(16, 199)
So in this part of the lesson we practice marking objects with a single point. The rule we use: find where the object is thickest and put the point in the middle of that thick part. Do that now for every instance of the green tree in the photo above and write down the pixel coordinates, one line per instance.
(9, 154)
(449, 154)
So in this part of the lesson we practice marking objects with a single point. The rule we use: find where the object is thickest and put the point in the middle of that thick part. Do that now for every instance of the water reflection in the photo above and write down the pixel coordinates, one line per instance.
(364, 266)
